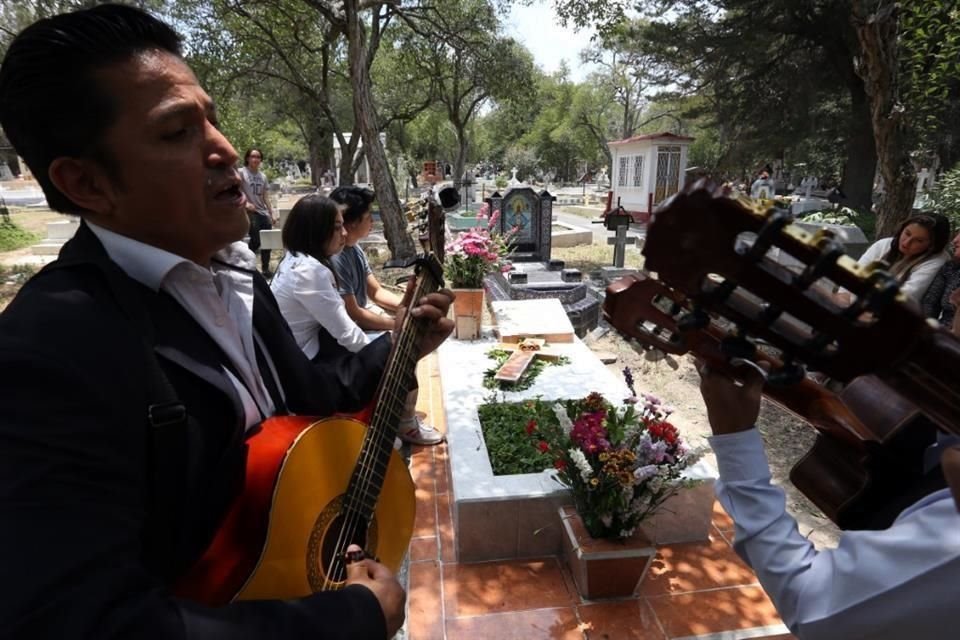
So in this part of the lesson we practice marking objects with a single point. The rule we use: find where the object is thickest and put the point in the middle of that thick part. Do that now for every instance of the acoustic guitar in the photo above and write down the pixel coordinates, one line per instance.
(865, 465)
(720, 253)
(315, 486)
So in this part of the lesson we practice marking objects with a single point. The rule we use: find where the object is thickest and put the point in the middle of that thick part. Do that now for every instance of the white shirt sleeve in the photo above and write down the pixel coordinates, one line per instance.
(883, 585)
(316, 290)
(875, 252)
(921, 277)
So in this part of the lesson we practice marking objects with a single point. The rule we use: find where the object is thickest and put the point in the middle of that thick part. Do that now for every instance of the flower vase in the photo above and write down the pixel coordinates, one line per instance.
(467, 312)
(603, 568)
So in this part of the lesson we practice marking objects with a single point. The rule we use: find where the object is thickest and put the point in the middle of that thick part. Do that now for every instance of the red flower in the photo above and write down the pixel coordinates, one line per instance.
(559, 465)
(665, 431)
(531, 426)
(543, 446)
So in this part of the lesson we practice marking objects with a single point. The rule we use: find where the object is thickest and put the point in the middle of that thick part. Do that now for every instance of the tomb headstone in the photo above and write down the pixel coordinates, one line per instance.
(513, 178)
(5, 172)
(531, 214)
(763, 188)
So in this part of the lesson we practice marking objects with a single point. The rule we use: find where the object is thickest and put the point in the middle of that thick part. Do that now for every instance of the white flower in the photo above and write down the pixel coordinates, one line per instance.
(560, 411)
(606, 519)
(580, 461)
(643, 473)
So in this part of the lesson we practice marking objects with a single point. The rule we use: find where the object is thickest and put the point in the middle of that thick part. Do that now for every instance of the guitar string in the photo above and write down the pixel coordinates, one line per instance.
(406, 363)
(358, 500)
(355, 509)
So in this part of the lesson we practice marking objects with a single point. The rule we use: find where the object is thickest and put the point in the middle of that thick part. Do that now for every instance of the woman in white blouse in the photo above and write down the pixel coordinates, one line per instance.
(915, 253)
(305, 286)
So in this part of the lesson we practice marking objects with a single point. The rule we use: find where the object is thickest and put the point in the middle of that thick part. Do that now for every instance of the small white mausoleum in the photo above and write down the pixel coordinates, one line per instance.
(647, 169)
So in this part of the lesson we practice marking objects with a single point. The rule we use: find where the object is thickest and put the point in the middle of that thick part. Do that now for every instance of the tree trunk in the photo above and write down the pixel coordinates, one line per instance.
(877, 33)
(463, 144)
(346, 170)
(860, 166)
(319, 148)
(399, 240)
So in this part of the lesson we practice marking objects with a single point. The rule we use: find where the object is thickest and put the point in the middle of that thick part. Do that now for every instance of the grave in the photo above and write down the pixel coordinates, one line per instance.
(515, 516)
(535, 275)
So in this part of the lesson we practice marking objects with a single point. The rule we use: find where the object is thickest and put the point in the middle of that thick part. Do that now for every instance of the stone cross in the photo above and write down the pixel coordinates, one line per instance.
(523, 354)
(620, 223)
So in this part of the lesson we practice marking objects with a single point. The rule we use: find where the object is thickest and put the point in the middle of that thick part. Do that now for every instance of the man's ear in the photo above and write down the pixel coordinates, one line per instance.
(84, 182)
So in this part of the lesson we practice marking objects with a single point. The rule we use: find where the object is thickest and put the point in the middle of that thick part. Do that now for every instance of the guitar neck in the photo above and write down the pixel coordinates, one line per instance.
(397, 381)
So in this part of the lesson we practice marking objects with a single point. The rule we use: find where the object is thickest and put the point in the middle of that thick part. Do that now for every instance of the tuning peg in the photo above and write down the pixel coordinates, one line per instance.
(738, 347)
(696, 319)
(790, 373)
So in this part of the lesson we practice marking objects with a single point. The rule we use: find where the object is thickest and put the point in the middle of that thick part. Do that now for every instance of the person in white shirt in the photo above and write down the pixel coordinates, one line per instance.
(915, 254)
(359, 288)
(879, 585)
(305, 284)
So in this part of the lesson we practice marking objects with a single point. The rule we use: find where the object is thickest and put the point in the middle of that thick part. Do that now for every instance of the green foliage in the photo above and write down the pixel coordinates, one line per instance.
(524, 159)
(945, 197)
(499, 356)
(511, 451)
(13, 236)
(930, 66)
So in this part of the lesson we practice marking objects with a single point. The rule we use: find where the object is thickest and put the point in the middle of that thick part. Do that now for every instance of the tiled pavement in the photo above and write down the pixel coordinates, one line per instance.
(691, 591)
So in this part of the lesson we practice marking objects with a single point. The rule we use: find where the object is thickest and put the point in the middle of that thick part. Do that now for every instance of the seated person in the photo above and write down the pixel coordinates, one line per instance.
(305, 284)
(941, 299)
(882, 585)
(358, 287)
(134, 366)
(915, 253)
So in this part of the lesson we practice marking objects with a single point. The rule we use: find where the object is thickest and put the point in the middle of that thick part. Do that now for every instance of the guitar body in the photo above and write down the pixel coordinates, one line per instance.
(275, 540)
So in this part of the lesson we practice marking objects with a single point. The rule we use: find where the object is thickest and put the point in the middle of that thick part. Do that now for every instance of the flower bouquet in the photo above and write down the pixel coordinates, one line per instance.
(621, 463)
(473, 254)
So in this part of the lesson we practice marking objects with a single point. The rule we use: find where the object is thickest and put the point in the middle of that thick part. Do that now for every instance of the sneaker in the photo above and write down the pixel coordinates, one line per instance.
(421, 434)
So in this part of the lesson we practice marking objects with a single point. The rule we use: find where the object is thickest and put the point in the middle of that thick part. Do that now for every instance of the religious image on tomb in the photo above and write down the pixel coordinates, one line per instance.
(518, 213)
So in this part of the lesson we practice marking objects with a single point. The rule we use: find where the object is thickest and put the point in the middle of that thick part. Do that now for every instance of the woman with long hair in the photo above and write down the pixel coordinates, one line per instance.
(914, 253)
(305, 285)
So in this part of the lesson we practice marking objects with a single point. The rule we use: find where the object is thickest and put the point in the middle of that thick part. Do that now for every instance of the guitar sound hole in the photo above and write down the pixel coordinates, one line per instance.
(326, 566)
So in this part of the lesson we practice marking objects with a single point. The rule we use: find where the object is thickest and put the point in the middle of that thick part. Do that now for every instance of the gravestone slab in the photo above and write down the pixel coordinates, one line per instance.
(517, 319)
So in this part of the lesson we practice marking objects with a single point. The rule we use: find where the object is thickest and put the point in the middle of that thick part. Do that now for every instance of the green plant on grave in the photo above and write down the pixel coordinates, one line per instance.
(621, 463)
(499, 356)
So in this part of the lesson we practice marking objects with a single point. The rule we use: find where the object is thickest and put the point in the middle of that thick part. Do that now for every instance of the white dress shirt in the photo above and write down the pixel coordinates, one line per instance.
(218, 298)
(307, 294)
(895, 584)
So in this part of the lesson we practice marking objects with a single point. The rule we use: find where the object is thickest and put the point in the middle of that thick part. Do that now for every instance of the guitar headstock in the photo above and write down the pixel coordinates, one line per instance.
(646, 309)
(727, 256)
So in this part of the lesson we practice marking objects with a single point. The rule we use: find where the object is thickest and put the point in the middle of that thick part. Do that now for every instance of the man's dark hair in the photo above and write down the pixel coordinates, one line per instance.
(50, 103)
(309, 227)
(357, 199)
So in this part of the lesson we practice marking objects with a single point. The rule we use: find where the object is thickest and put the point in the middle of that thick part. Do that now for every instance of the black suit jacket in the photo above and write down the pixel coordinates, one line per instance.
(99, 510)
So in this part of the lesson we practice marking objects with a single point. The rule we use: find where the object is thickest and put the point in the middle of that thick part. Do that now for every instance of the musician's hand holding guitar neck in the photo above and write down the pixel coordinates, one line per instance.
(432, 309)
(732, 405)
(381, 581)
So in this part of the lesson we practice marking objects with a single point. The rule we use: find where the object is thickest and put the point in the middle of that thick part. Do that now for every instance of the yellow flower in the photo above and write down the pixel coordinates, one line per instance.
(594, 482)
